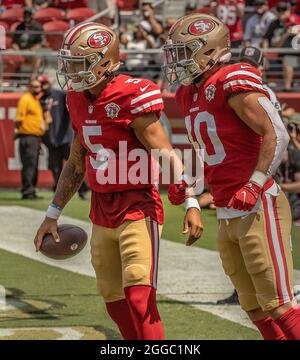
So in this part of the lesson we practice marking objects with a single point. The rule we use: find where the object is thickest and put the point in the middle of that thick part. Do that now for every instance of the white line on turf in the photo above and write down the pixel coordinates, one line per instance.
(188, 274)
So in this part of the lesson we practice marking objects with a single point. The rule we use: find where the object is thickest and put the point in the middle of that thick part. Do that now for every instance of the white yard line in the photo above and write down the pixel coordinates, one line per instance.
(188, 274)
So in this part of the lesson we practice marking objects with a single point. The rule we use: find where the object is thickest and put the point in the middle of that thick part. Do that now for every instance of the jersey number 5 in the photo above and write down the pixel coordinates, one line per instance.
(219, 152)
(101, 154)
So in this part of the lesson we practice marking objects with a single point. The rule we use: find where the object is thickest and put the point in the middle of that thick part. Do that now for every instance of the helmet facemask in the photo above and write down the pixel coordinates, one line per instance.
(179, 63)
(80, 73)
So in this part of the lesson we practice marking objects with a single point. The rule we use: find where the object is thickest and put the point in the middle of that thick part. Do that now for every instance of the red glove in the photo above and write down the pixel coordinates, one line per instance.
(245, 198)
(176, 193)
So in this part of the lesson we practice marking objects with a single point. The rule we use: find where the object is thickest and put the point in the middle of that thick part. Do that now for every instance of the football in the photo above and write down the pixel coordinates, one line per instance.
(72, 240)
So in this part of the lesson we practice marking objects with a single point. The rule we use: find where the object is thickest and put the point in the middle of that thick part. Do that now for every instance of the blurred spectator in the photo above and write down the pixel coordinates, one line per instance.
(30, 127)
(231, 13)
(140, 41)
(281, 33)
(163, 36)
(258, 23)
(40, 4)
(294, 130)
(149, 16)
(292, 186)
(59, 134)
(206, 7)
(28, 36)
(191, 8)
(255, 57)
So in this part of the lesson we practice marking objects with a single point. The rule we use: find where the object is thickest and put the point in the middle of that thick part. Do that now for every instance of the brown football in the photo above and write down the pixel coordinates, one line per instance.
(72, 241)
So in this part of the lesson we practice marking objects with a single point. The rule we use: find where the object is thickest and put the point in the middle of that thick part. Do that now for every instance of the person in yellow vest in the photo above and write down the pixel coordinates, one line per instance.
(30, 125)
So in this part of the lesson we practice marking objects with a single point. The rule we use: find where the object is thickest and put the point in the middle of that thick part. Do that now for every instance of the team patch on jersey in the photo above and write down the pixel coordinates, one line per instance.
(201, 27)
(112, 110)
(90, 109)
(210, 92)
(99, 39)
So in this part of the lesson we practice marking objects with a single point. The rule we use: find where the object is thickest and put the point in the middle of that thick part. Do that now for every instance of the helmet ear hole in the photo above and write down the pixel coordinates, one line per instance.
(209, 52)
(106, 63)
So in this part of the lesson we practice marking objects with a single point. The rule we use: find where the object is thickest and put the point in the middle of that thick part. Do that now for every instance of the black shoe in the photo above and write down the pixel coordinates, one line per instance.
(32, 197)
(83, 195)
(29, 197)
(231, 300)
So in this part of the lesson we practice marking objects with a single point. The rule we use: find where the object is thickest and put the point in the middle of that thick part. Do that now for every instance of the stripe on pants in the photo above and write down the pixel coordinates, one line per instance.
(155, 249)
(275, 245)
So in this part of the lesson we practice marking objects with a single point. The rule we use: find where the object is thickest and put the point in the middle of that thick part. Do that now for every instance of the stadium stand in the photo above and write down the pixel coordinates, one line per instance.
(79, 14)
(48, 14)
(54, 31)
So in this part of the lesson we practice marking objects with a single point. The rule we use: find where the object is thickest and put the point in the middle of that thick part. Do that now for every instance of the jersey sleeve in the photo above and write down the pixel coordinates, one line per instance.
(243, 78)
(145, 98)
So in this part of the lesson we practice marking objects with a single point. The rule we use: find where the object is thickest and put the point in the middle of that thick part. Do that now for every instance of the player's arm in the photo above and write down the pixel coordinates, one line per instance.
(151, 134)
(69, 182)
(257, 112)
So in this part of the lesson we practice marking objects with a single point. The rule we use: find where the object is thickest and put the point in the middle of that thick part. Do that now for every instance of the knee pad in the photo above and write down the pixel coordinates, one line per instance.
(135, 274)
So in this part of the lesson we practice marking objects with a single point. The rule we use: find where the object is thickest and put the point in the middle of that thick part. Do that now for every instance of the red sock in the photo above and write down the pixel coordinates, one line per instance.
(289, 323)
(269, 329)
(142, 303)
(120, 313)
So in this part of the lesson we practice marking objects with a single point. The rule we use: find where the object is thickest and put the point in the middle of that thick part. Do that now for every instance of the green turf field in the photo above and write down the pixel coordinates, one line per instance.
(79, 209)
(45, 298)
(50, 297)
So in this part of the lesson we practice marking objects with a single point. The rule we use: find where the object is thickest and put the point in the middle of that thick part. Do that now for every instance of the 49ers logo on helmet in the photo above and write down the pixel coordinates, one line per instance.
(201, 27)
(99, 39)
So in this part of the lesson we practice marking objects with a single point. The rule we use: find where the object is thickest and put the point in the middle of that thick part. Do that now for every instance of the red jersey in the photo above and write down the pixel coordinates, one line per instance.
(227, 13)
(119, 178)
(231, 148)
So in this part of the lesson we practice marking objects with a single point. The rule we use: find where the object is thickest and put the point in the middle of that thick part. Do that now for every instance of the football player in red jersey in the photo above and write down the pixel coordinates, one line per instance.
(231, 12)
(228, 114)
(109, 112)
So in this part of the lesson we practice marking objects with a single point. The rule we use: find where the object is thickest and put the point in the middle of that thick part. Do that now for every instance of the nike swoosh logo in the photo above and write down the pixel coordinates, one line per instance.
(144, 88)
(245, 67)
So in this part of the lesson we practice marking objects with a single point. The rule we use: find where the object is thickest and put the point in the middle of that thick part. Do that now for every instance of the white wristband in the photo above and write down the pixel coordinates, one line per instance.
(259, 178)
(191, 202)
(53, 212)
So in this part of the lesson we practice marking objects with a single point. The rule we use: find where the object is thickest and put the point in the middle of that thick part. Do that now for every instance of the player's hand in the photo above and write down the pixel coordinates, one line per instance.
(48, 226)
(246, 198)
(193, 222)
(176, 193)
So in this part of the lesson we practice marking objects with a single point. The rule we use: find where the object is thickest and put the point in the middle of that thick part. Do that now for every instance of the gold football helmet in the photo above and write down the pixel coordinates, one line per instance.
(195, 43)
(89, 55)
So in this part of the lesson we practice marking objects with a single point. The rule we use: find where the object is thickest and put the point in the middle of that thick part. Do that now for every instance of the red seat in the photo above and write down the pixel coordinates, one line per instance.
(11, 64)
(48, 14)
(12, 15)
(128, 5)
(80, 14)
(8, 42)
(13, 27)
(58, 28)
(4, 25)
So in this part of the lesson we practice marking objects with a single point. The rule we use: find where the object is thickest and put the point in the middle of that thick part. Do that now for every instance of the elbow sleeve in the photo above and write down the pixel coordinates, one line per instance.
(282, 137)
